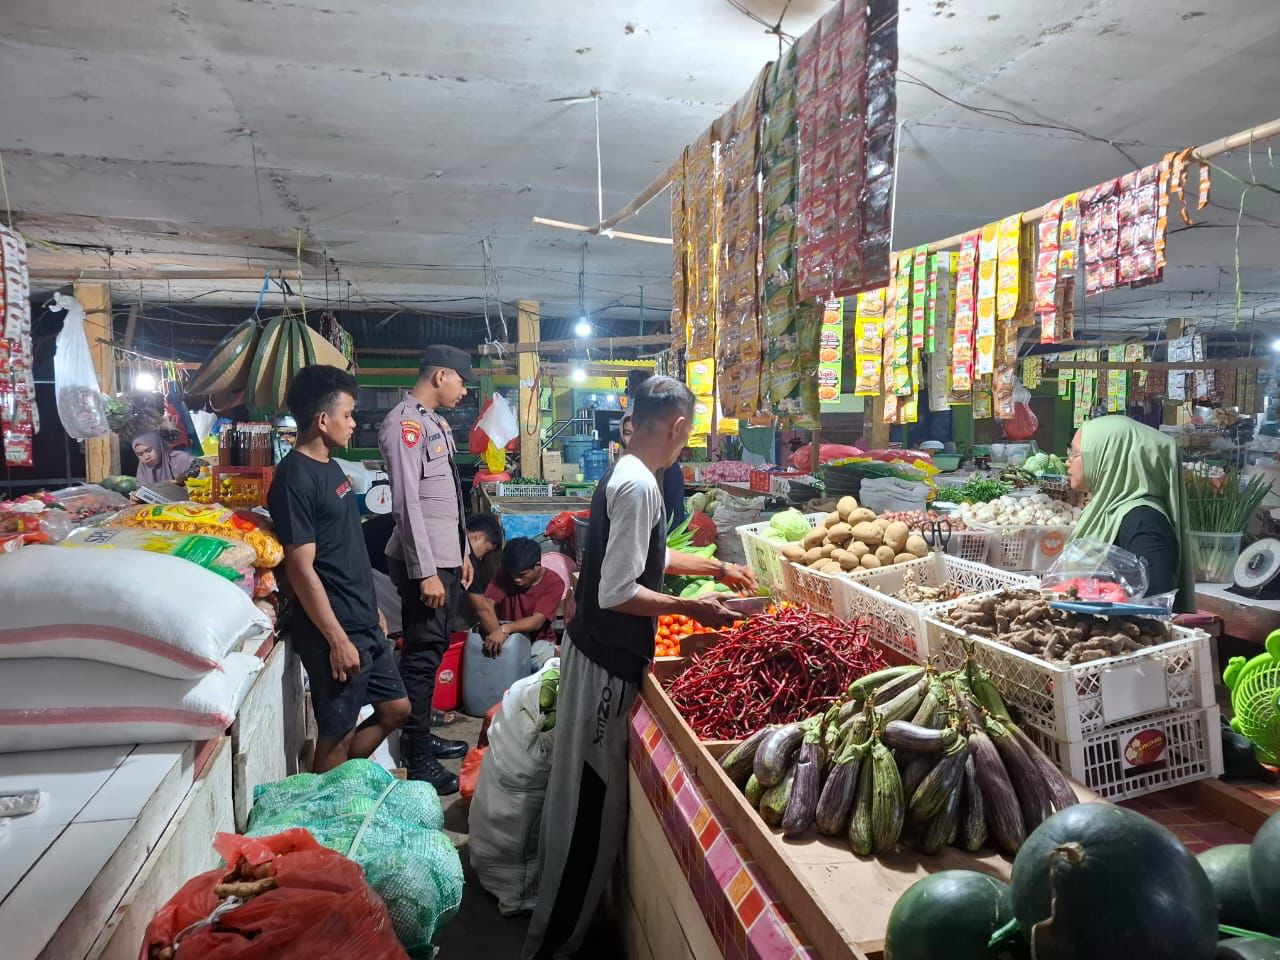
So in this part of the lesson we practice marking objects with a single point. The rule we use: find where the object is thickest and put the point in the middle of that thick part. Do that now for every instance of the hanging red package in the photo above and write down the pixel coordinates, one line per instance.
(1023, 424)
(315, 904)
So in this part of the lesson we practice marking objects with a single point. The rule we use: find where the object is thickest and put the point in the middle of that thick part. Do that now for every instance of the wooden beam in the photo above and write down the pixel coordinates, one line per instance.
(529, 400)
(878, 431)
(1170, 409)
(101, 455)
(79, 273)
(1228, 363)
(131, 326)
(586, 343)
(1246, 810)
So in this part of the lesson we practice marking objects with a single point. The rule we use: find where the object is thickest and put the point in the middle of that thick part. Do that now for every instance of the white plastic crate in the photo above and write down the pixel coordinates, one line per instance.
(1026, 549)
(526, 490)
(1146, 755)
(814, 589)
(1071, 702)
(780, 483)
(900, 625)
(971, 545)
(764, 556)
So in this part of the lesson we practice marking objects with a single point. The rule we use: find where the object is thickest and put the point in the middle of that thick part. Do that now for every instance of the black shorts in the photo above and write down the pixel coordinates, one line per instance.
(337, 704)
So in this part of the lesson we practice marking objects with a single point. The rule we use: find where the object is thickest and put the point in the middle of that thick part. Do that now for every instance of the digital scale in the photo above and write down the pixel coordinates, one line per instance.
(1257, 571)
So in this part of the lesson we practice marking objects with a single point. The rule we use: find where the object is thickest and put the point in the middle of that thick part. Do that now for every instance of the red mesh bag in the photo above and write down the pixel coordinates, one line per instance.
(469, 775)
(316, 904)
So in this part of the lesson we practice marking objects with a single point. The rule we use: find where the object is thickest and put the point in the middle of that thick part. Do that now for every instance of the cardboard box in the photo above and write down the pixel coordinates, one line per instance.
(553, 466)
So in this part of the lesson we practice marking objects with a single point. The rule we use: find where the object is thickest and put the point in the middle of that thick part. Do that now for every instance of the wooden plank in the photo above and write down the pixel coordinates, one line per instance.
(528, 406)
(877, 432)
(184, 850)
(257, 736)
(1242, 617)
(1245, 810)
(659, 890)
(101, 455)
(842, 902)
(588, 343)
(1228, 363)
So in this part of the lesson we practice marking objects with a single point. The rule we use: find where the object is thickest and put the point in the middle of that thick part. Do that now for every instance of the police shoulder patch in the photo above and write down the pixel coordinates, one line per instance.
(410, 432)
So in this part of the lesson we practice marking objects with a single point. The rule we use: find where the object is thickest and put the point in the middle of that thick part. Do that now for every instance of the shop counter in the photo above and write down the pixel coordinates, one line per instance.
(760, 896)
(1242, 617)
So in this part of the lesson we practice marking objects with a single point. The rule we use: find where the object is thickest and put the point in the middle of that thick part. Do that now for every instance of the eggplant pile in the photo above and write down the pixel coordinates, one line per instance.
(909, 754)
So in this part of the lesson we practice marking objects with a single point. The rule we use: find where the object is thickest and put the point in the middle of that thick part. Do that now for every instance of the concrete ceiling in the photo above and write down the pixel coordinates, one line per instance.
(396, 135)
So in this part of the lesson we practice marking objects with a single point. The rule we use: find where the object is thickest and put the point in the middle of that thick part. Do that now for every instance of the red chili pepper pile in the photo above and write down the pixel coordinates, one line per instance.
(775, 668)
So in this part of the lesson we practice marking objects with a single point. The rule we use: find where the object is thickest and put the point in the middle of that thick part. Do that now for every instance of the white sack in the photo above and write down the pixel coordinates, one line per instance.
(892, 495)
(506, 812)
(50, 704)
(499, 422)
(150, 612)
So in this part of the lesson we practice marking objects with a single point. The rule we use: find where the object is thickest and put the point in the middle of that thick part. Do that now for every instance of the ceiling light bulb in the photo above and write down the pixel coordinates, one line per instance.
(1276, 346)
(578, 375)
(582, 328)
(610, 398)
(144, 382)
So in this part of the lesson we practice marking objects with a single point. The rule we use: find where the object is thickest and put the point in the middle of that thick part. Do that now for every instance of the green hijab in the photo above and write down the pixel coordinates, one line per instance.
(1128, 464)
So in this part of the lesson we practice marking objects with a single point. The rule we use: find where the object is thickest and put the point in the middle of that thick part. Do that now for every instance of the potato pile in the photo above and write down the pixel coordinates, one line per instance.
(854, 538)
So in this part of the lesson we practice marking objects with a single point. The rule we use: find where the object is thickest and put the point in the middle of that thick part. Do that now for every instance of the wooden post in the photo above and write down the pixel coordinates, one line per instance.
(102, 455)
(1172, 331)
(878, 433)
(529, 414)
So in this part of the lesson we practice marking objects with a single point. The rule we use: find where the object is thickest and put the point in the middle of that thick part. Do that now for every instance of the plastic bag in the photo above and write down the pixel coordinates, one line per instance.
(802, 459)
(892, 495)
(80, 405)
(391, 827)
(1096, 570)
(506, 811)
(469, 775)
(1022, 426)
(320, 906)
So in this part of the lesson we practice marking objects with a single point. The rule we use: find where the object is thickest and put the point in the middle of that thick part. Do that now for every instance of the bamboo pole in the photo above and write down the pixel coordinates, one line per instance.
(602, 231)
(1228, 363)
(78, 273)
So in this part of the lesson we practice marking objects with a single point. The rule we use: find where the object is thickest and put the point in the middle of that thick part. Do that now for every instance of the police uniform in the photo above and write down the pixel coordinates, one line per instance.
(430, 539)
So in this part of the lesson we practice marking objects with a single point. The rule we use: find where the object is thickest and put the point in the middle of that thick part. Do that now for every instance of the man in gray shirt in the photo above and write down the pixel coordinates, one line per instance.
(606, 650)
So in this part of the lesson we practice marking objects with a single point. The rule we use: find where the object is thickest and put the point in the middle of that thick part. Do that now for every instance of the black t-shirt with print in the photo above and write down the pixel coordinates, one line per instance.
(312, 502)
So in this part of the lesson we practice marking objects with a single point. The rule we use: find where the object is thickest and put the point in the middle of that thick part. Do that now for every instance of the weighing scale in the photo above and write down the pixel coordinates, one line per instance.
(1257, 571)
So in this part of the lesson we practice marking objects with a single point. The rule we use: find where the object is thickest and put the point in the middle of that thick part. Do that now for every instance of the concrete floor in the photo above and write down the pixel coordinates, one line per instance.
(479, 931)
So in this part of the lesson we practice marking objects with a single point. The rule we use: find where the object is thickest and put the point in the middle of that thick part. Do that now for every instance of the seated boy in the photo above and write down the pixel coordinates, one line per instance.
(522, 599)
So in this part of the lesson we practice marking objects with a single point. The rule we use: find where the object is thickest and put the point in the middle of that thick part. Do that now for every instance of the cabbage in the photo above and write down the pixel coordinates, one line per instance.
(790, 525)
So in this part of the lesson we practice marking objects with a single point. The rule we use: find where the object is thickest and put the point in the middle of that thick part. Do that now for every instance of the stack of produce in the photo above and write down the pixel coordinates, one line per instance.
(906, 754)
(973, 490)
(726, 471)
(673, 628)
(1045, 465)
(1036, 510)
(922, 519)
(853, 538)
(1105, 883)
(914, 591)
(1221, 508)
(777, 667)
(1024, 620)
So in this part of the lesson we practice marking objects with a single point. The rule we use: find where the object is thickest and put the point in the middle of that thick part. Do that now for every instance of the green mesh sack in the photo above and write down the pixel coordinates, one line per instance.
(390, 827)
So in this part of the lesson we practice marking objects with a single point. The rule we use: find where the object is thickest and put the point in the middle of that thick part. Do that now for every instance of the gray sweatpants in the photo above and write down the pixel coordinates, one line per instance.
(584, 818)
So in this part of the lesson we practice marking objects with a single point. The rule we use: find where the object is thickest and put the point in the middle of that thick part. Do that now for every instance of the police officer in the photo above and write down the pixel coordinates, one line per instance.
(427, 556)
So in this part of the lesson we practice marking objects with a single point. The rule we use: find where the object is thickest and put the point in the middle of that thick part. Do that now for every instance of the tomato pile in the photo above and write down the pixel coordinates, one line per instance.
(672, 628)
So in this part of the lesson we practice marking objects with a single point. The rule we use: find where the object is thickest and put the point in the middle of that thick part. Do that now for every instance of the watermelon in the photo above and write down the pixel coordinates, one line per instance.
(1227, 868)
(1099, 882)
(1264, 872)
(952, 913)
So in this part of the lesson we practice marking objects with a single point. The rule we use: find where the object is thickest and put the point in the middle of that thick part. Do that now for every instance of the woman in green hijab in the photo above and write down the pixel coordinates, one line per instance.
(1139, 503)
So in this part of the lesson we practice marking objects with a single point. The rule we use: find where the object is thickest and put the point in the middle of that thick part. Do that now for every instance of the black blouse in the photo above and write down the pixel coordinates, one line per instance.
(1147, 532)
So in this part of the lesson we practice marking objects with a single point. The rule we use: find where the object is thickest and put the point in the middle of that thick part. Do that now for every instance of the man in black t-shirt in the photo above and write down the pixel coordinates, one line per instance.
(335, 627)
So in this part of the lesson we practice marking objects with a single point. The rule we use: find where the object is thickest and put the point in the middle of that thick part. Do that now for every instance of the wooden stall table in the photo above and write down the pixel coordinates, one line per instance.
(1242, 617)
(757, 894)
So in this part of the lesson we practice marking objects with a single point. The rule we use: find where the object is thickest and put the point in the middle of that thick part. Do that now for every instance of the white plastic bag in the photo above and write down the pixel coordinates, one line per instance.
(506, 812)
(892, 495)
(499, 422)
(75, 382)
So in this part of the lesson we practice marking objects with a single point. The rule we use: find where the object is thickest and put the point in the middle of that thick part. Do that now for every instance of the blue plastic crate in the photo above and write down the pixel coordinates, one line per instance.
(524, 524)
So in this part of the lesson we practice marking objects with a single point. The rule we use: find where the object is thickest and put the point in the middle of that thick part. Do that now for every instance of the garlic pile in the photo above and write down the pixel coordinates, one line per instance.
(1037, 510)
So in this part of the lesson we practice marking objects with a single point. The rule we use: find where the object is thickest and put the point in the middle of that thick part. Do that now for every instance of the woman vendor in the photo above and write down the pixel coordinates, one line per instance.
(1139, 503)
(157, 463)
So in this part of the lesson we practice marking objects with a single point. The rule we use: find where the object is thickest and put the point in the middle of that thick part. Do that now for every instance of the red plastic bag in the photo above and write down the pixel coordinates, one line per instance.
(560, 527)
(1023, 425)
(320, 907)
(469, 775)
(802, 459)
(483, 739)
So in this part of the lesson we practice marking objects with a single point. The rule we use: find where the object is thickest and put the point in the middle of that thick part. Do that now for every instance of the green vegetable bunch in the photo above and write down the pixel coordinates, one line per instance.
(977, 490)
(1225, 504)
